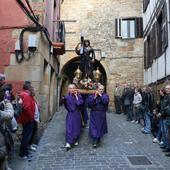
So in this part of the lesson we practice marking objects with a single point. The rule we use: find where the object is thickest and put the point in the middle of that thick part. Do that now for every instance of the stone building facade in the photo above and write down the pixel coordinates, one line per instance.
(156, 43)
(119, 43)
(40, 67)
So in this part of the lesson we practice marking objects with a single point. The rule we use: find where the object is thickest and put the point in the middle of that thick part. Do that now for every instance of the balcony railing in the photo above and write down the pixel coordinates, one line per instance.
(59, 38)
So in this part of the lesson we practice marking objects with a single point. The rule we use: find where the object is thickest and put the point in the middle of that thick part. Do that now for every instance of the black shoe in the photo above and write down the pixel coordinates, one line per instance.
(168, 154)
(98, 141)
(67, 146)
(162, 147)
(145, 132)
(166, 150)
(94, 146)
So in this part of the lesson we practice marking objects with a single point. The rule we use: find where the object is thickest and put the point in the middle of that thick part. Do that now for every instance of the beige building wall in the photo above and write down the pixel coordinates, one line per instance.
(41, 70)
(96, 19)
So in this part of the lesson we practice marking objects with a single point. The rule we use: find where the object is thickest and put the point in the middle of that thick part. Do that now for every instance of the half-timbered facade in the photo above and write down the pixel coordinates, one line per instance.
(156, 41)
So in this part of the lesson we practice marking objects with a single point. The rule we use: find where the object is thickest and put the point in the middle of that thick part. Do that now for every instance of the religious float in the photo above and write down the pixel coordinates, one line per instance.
(86, 78)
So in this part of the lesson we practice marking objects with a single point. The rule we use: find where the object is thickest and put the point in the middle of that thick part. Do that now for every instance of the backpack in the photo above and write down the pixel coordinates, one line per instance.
(17, 109)
(3, 149)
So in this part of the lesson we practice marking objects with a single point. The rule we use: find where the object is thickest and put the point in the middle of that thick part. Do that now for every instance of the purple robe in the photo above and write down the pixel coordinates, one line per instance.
(73, 118)
(84, 109)
(98, 122)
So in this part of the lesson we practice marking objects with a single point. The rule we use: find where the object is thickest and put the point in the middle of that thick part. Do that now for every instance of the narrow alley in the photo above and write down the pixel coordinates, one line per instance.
(123, 148)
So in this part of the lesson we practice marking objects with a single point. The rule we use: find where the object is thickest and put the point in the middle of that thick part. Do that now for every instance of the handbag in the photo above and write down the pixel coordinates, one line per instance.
(3, 149)
(8, 139)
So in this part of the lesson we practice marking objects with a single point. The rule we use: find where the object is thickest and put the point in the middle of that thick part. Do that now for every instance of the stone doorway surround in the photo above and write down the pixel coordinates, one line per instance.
(67, 73)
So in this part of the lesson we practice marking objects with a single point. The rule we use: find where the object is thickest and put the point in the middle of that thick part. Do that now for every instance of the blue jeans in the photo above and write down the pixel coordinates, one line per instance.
(166, 124)
(163, 130)
(26, 137)
(159, 132)
(147, 122)
(129, 112)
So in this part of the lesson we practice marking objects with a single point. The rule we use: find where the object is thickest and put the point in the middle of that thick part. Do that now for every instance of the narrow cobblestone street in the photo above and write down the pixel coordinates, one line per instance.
(124, 139)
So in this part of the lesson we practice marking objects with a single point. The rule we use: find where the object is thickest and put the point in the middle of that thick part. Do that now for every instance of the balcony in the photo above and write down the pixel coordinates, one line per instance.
(59, 38)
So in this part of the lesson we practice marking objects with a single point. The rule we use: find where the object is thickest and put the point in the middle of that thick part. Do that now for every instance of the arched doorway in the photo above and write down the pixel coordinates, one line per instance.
(68, 70)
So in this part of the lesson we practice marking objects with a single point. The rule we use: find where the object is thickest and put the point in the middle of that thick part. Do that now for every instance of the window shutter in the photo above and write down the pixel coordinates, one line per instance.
(118, 28)
(145, 4)
(150, 50)
(165, 27)
(139, 27)
(146, 54)
(158, 39)
(153, 39)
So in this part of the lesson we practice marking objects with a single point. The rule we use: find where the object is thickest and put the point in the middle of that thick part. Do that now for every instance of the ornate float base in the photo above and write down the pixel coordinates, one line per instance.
(86, 91)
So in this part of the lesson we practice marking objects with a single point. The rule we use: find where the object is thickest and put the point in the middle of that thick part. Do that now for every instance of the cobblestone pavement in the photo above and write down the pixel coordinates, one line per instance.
(123, 140)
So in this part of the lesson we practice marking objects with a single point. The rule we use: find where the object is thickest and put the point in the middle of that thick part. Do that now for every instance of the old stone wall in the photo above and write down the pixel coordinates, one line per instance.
(96, 19)
(41, 69)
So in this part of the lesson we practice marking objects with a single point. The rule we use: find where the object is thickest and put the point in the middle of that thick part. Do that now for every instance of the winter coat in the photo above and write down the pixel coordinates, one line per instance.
(137, 99)
(128, 96)
(148, 101)
(166, 107)
(28, 108)
(5, 116)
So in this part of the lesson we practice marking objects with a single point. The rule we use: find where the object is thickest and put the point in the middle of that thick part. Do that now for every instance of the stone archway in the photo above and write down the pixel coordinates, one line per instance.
(67, 73)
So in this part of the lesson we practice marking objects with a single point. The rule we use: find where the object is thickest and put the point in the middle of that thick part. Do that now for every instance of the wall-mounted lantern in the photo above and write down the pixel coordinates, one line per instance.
(32, 45)
(30, 51)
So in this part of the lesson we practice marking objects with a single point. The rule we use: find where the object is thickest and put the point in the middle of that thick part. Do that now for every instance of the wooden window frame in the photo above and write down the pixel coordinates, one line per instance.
(145, 5)
(138, 27)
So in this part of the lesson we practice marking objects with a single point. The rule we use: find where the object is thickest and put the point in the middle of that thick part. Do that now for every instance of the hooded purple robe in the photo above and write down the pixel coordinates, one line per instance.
(73, 118)
(98, 122)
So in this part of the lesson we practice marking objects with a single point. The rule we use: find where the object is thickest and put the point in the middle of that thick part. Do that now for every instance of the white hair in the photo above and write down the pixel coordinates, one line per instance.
(71, 85)
(2, 76)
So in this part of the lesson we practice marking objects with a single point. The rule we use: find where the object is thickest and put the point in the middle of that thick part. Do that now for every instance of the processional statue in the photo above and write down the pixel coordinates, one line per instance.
(87, 57)
(85, 75)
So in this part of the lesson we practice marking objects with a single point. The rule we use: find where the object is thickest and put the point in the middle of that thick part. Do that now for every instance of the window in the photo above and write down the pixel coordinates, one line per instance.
(162, 30)
(145, 4)
(157, 39)
(127, 28)
(148, 58)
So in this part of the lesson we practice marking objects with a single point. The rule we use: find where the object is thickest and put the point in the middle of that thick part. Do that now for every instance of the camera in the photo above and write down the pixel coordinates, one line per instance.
(2, 106)
(7, 95)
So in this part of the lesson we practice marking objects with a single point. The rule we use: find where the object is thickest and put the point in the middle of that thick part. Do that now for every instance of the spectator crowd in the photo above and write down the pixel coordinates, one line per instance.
(140, 106)
(20, 109)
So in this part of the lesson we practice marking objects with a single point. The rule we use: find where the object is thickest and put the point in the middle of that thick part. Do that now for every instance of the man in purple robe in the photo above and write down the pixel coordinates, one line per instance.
(98, 104)
(72, 102)
(84, 112)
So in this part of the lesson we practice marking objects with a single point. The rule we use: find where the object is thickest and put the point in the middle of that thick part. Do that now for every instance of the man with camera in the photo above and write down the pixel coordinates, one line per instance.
(26, 118)
(6, 114)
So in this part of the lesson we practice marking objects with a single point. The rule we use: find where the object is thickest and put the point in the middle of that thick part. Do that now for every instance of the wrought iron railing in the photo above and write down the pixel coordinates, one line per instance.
(60, 31)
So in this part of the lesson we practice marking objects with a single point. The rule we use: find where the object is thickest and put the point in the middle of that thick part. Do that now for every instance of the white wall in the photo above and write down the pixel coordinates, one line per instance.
(168, 59)
(149, 75)
(147, 16)
(168, 49)
(161, 67)
(157, 70)
(154, 71)
(145, 77)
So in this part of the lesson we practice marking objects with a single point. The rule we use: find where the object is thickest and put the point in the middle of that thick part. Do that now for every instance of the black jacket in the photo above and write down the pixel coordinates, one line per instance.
(166, 107)
(148, 100)
(127, 96)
